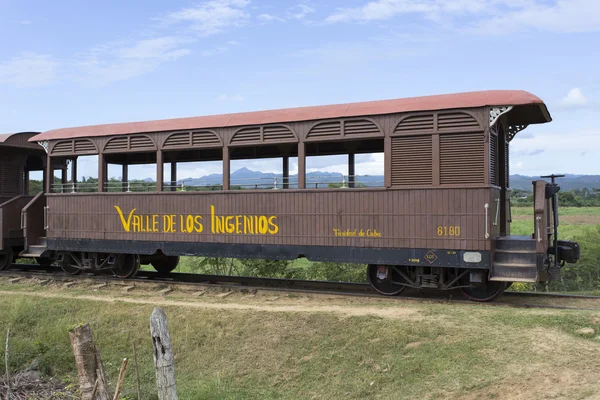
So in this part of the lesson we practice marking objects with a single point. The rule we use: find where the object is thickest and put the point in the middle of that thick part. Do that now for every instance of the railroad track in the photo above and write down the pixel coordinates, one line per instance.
(250, 284)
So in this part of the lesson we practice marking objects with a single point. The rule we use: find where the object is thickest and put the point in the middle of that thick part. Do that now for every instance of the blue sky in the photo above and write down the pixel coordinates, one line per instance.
(69, 63)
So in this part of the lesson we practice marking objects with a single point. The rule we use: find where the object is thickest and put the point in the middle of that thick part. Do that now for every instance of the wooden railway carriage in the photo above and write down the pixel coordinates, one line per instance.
(18, 158)
(440, 220)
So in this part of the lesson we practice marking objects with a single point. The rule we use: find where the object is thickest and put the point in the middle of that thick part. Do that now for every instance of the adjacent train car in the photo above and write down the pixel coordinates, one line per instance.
(18, 157)
(440, 219)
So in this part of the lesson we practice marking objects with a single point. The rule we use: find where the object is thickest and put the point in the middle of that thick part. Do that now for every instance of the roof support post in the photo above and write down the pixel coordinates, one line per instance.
(160, 166)
(301, 166)
(173, 176)
(48, 176)
(351, 165)
(286, 172)
(26, 183)
(124, 176)
(101, 172)
(63, 179)
(74, 174)
(226, 167)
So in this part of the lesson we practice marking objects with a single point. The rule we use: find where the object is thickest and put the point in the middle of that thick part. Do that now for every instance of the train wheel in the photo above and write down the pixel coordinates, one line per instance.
(126, 265)
(6, 259)
(384, 278)
(69, 266)
(165, 264)
(485, 291)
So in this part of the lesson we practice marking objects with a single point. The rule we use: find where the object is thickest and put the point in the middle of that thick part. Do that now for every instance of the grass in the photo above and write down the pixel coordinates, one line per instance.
(563, 211)
(421, 351)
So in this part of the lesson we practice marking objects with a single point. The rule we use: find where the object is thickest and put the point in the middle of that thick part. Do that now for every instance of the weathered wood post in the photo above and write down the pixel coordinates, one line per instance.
(89, 364)
(163, 356)
(8, 387)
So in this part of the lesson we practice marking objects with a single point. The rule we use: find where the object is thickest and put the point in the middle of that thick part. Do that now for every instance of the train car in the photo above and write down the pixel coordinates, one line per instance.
(440, 219)
(18, 157)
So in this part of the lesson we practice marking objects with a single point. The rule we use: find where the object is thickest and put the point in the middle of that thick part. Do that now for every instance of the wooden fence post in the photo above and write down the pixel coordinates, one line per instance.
(8, 386)
(164, 362)
(89, 364)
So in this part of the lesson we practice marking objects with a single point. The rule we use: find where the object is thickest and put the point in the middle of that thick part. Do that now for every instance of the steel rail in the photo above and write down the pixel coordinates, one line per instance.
(250, 284)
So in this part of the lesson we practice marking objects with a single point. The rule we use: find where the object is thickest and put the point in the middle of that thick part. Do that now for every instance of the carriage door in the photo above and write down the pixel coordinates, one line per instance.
(503, 181)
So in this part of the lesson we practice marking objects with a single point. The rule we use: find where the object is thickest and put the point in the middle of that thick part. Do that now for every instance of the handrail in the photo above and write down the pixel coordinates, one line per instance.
(46, 208)
(497, 211)
(33, 201)
(12, 200)
(486, 206)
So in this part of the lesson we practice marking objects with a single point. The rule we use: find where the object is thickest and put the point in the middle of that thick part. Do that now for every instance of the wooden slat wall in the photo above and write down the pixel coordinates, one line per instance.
(405, 218)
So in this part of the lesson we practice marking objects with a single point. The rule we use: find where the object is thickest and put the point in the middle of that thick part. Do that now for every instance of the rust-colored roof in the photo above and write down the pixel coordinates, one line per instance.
(15, 138)
(438, 102)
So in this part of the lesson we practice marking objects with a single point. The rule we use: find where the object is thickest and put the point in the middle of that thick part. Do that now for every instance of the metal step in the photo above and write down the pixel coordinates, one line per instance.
(33, 251)
(522, 272)
(515, 256)
(515, 243)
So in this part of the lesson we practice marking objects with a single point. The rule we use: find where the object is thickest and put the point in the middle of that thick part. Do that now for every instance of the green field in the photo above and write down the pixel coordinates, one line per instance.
(313, 348)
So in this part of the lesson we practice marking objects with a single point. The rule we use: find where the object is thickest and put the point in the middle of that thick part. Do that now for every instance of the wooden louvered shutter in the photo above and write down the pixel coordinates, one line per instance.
(10, 180)
(494, 177)
(412, 160)
(462, 158)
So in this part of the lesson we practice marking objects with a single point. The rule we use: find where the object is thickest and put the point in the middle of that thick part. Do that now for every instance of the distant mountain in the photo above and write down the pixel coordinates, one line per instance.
(569, 182)
(247, 177)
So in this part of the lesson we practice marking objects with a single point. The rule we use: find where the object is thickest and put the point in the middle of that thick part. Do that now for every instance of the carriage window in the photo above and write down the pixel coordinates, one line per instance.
(264, 167)
(350, 164)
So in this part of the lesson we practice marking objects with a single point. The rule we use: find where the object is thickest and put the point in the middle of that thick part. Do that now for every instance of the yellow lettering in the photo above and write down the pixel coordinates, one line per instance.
(212, 219)
(274, 228)
(155, 223)
(136, 223)
(248, 225)
(263, 224)
(126, 224)
(229, 227)
(198, 224)
(238, 221)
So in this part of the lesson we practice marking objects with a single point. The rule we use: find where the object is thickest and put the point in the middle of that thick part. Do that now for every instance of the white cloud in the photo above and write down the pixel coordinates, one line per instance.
(29, 70)
(574, 99)
(235, 97)
(270, 17)
(120, 61)
(212, 17)
(300, 11)
(25, 22)
(167, 47)
(493, 16)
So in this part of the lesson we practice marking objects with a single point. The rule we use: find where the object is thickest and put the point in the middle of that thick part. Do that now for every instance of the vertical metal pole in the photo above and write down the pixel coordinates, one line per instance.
(286, 172)
(351, 170)
(173, 176)
(124, 176)
(101, 172)
(74, 174)
(159, 171)
(301, 166)
(226, 167)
